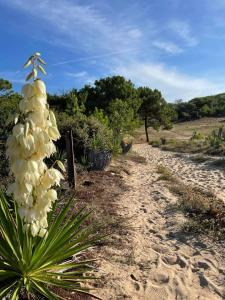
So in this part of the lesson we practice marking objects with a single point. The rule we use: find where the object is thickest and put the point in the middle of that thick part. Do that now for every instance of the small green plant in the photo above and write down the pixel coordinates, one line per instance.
(34, 264)
(197, 136)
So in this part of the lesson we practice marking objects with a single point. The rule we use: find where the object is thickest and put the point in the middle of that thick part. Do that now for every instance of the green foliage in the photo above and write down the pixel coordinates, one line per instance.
(210, 106)
(205, 110)
(121, 117)
(216, 138)
(5, 87)
(101, 116)
(8, 107)
(36, 264)
(155, 143)
(73, 107)
(72, 102)
(197, 136)
(99, 136)
(87, 131)
(155, 108)
(108, 89)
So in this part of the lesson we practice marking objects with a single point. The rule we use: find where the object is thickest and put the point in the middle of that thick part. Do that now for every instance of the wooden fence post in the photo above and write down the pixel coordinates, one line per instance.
(71, 168)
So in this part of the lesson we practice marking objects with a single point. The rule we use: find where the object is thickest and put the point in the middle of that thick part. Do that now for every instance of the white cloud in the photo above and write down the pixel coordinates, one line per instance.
(76, 75)
(183, 31)
(168, 47)
(79, 26)
(118, 44)
(173, 84)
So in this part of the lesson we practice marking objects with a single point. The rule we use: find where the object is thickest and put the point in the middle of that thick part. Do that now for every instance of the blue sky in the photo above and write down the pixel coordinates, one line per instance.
(177, 46)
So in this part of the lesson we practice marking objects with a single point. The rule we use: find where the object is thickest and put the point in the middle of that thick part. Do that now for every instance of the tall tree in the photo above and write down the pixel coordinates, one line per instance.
(108, 89)
(154, 109)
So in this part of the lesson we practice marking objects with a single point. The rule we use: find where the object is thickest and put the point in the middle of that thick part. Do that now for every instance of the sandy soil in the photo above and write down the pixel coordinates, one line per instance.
(153, 260)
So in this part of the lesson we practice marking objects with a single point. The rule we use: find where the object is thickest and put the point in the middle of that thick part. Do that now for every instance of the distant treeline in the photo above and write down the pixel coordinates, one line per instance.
(209, 106)
(103, 114)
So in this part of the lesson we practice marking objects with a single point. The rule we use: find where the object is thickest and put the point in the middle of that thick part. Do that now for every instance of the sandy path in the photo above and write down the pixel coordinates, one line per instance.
(154, 261)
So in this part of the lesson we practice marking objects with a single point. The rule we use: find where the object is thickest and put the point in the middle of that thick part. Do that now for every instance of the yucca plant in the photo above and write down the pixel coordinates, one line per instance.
(34, 264)
(38, 249)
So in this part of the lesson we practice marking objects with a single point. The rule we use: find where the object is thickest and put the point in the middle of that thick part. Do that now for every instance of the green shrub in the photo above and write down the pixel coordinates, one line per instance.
(87, 131)
(101, 117)
(8, 107)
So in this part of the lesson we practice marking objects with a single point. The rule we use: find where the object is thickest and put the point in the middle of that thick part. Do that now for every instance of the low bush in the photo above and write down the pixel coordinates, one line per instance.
(88, 132)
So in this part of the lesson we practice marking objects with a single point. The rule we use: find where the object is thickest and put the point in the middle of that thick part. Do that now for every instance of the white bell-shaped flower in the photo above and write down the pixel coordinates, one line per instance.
(30, 143)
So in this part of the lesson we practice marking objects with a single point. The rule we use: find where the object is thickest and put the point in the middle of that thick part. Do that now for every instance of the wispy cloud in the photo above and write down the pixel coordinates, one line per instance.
(76, 75)
(13, 76)
(100, 56)
(120, 42)
(80, 26)
(173, 84)
(168, 47)
(183, 30)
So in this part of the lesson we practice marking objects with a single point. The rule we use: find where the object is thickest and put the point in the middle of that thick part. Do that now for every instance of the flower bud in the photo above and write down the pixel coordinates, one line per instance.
(27, 90)
(39, 88)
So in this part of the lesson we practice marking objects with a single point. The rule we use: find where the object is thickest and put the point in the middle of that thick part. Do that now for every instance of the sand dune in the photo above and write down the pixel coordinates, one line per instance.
(154, 261)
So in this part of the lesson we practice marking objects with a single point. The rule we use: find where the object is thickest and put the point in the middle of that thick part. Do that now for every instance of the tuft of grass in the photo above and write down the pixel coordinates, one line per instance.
(165, 174)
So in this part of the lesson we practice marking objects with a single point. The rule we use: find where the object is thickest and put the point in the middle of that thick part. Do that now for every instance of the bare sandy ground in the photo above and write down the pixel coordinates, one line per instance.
(154, 260)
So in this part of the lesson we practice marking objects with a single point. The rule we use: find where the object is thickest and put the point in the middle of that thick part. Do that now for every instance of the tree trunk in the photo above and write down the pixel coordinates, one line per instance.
(146, 129)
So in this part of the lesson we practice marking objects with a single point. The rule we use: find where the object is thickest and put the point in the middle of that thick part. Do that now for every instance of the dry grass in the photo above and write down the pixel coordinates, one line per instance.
(204, 211)
(181, 131)
(165, 174)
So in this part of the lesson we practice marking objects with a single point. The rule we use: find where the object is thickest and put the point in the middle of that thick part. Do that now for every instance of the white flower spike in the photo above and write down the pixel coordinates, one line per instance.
(30, 143)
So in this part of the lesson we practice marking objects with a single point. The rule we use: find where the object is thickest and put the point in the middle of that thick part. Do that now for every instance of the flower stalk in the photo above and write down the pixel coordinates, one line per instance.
(31, 142)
